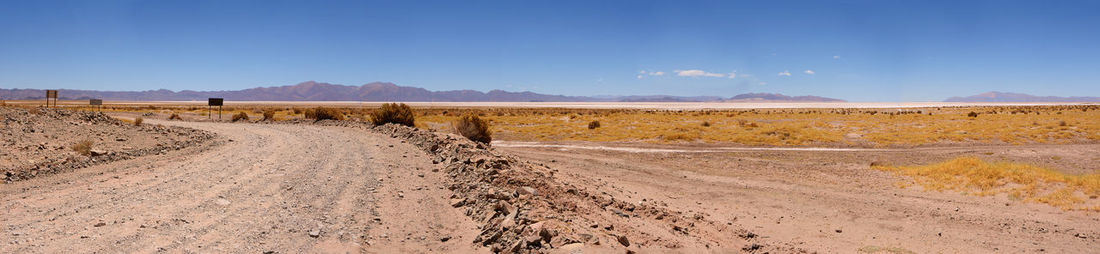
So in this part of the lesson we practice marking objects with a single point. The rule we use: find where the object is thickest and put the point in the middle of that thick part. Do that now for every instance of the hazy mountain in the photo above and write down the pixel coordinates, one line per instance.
(780, 97)
(377, 91)
(1019, 97)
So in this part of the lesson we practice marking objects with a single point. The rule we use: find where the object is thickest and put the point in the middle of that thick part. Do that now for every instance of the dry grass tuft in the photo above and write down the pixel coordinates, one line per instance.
(322, 113)
(240, 116)
(84, 147)
(175, 116)
(269, 115)
(1020, 181)
(393, 113)
(138, 121)
(473, 128)
(593, 125)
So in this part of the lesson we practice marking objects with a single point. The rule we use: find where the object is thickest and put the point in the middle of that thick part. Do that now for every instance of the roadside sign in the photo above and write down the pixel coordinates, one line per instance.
(214, 102)
(96, 102)
(51, 94)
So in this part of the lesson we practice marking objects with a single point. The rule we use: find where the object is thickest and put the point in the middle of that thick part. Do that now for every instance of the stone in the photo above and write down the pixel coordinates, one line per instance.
(527, 191)
(98, 152)
(315, 233)
(622, 240)
(458, 202)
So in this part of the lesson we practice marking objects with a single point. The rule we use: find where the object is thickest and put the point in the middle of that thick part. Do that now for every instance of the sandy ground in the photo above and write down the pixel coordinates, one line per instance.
(268, 188)
(830, 201)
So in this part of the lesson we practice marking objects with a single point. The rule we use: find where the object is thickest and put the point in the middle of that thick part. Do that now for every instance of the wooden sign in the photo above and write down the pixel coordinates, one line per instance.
(51, 94)
(95, 102)
(215, 102)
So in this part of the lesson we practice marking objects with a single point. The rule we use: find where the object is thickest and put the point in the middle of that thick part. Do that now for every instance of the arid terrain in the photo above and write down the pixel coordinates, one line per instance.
(292, 185)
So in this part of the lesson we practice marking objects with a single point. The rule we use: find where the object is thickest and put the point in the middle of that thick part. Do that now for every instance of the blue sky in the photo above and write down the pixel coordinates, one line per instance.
(856, 50)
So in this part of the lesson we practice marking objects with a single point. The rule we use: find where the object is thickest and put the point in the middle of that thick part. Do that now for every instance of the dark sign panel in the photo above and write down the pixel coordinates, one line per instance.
(95, 102)
(215, 102)
(51, 94)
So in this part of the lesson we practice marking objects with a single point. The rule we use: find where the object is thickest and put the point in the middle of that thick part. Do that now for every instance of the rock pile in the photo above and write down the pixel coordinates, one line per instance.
(522, 208)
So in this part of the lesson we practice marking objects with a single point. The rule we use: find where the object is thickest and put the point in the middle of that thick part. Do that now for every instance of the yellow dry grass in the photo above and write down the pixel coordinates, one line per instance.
(795, 127)
(755, 127)
(1025, 182)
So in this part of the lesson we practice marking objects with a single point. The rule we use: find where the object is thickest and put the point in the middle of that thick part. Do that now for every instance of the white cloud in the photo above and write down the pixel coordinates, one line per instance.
(785, 73)
(732, 74)
(698, 73)
(643, 73)
(836, 57)
(808, 72)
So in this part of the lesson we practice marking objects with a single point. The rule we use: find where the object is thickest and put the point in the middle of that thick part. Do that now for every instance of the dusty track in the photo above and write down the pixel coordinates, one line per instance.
(280, 188)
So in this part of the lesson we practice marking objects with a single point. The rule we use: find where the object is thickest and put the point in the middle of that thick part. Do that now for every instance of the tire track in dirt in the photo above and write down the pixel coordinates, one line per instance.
(282, 188)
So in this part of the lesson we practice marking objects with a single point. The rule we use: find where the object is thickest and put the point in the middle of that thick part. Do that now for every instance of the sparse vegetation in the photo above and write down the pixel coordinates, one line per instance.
(473, 128)
(84, 147)
(269, 115)
(1020, 181)
(242, 116)
(393, 113)
(972, 114)
(323, 113)
(593, 125)
(175, 116)
(138, 121)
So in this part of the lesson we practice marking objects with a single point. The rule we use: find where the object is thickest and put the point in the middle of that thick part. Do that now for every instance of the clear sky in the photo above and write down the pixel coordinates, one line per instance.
(855, 50)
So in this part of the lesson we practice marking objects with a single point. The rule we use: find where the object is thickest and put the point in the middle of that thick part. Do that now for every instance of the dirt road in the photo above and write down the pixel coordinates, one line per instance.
(259, 188)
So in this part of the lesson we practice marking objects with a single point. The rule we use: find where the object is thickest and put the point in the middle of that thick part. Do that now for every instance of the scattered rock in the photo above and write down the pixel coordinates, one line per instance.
(315, 233)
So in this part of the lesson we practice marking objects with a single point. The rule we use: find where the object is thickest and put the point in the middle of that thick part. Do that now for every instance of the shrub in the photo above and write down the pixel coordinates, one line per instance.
(269, 115)
(297, 111)
(473, 128)
(593, 125)
(240, 116)
(84, 147)
(706, 124)
(175, 116)
(393, 113)
(972, 114)
(1062, 123)
(137, 121)
(323, 113)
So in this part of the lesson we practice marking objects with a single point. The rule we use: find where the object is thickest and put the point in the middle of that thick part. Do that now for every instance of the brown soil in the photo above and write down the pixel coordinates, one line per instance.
(341, 186)
(831, 201)
(39, 141)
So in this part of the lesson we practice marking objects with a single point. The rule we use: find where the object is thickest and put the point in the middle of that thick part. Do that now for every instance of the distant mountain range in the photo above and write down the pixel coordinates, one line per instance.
(376, 91)
(1018, 97)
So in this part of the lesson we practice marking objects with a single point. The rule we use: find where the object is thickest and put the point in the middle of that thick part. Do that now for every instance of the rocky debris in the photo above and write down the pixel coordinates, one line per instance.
(45, 135)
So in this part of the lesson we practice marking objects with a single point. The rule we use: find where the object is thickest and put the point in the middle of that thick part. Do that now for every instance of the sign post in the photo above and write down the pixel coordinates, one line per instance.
(96, 102)
(51, 94)
(214, 102)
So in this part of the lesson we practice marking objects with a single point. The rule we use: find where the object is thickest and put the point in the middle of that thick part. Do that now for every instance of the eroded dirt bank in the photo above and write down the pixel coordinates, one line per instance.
(39, 141)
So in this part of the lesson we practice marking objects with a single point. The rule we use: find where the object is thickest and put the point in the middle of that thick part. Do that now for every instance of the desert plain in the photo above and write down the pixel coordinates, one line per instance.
(556, 177)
